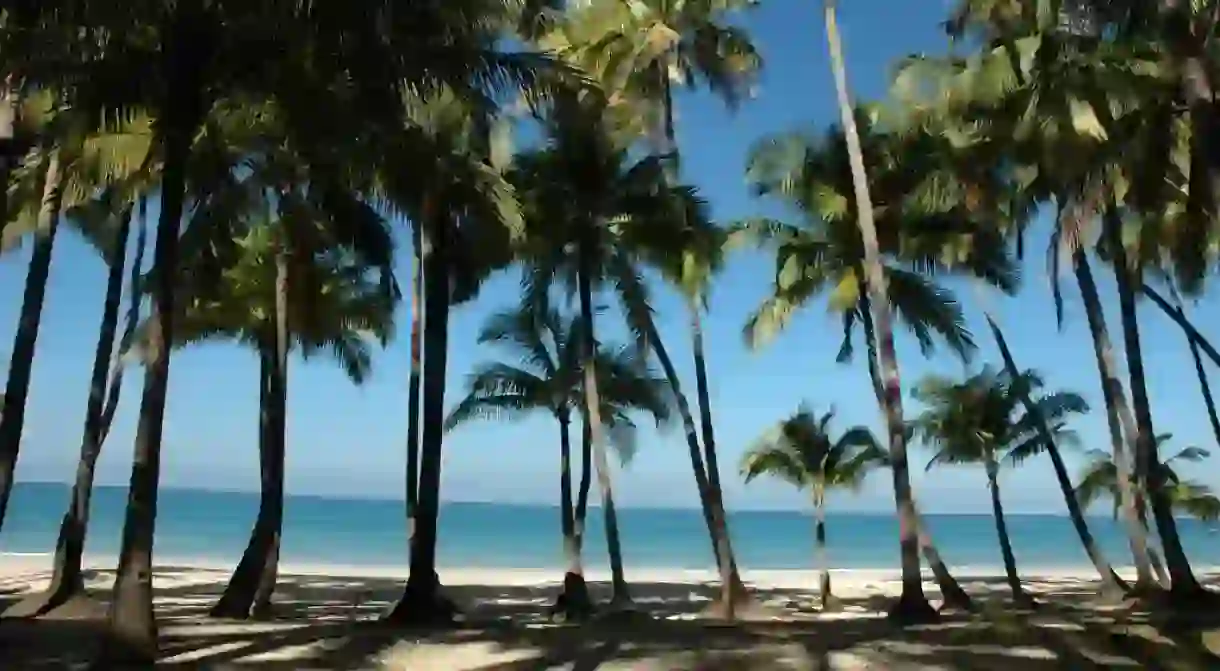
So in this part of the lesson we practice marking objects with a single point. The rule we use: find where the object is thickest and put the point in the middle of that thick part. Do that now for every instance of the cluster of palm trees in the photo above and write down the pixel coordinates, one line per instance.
(281, 142)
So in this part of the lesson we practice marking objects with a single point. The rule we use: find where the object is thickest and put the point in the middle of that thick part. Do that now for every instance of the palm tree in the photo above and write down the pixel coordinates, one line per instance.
(277, 291)
(912, 604)
(105, 388)
(550, 378)
(639, 51)
(1099, 478)
(802, 452)
(982, 419)
(592, 218)
(73, 161)
(1023, 96)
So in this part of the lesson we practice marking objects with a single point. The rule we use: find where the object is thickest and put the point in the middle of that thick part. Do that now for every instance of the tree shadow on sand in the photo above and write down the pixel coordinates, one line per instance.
(327, 622)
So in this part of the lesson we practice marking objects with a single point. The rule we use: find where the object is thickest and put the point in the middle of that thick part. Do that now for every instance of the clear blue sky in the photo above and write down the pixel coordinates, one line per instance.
(350, 441)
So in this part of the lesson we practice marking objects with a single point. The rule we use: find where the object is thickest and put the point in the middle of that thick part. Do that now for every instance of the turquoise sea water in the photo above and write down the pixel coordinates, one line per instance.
(205, 525)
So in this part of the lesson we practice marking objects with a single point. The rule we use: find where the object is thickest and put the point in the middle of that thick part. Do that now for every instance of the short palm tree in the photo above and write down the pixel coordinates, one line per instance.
(983, 419)
(1099, 479)
(802, 451)
(550, 378)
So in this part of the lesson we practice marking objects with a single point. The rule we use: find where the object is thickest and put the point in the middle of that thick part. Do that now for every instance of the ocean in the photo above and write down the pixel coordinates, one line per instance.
(213, 526)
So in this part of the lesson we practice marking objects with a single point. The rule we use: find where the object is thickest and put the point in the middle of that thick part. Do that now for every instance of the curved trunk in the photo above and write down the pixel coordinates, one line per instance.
(66, 582)
(592, 414)
(1148, 468)
(417, 281)
(249, 590)
(717, 531)
(574, 600)
(17, 389)
(132, 627)
(1111, 583)
(913, 604)
(732, 590)
(1119, 413)
(1001, 528)
(711, 498)
(422, 600)
(1205, 388)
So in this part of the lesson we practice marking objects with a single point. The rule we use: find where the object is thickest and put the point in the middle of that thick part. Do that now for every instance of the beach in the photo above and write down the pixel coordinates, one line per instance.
(326, 617)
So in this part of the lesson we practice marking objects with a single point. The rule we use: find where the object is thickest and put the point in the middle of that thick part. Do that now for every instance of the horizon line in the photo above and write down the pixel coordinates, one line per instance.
(372, 498)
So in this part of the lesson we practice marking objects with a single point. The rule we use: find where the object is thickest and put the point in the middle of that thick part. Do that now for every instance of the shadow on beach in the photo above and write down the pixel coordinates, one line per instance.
(329, 622)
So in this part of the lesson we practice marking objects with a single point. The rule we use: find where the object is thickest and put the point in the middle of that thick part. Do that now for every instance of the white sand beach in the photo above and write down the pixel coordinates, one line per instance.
(327, 616)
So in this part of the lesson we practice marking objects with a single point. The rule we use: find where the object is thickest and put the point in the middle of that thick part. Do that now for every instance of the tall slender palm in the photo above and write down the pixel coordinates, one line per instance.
(802, 452)
(72, 162)
(550, 378)
(592, 218)
(912, 604)
(640, 50)
(982, 419)
(105, 387)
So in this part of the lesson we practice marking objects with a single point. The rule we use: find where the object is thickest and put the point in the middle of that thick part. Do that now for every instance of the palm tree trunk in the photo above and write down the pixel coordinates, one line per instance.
(1179, 317)
(66, 583)
(823, 562)
(702, 483)
(249, 590)
(1205, 388)
(951, 591)
(952, 594)
(1111, 584)
(732, 589)
(586, 481)
(413, 384)
(1148, 470)
(573, 602)
(422, 600)
(132, 626)
(1119, 414)
(592, 413)
(1001, 527)
(913, 604)
(17, 388)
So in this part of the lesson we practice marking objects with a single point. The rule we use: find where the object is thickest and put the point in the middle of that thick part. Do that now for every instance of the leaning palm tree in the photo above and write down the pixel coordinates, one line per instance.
(802, 452)
(640, 51)
(1099, 479)
(550, 378)
(982, 419)
(105, 388)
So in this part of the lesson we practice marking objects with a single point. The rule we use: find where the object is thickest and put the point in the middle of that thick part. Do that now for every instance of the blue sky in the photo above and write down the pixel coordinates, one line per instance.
(350, 441)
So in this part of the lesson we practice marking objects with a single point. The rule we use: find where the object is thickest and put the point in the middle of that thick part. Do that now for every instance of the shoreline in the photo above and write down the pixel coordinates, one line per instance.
(26, 566)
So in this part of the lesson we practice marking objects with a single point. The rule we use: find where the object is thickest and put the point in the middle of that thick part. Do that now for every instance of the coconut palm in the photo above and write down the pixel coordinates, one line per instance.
(582, 193)
(803, 452)
(1099, 479)
(982, 419)
(73, 161)
(105, 387)
(1079, 154)
(639, 51)
(277, 294)
(550, 378)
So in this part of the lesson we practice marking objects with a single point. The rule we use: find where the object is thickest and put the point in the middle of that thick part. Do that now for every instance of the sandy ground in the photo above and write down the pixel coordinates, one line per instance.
(327, 618)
